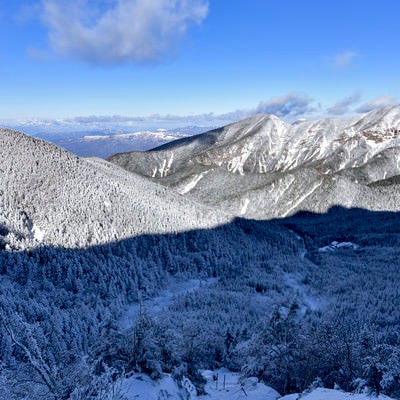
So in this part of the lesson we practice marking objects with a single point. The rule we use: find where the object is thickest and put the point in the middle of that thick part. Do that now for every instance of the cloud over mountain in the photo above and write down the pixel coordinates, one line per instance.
(113, 32)
(290, 107)
(343, 107)
(379, 102)
(293, 104)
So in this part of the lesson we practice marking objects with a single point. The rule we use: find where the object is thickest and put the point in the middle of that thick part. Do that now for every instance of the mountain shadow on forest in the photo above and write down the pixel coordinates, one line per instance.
(280, 309)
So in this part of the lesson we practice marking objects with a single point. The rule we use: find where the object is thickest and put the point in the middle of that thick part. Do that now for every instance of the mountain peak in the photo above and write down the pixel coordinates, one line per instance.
(263, 166)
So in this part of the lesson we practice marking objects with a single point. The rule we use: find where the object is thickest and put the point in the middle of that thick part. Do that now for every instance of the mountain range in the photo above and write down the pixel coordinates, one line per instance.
(105, 142)
(263, 167)
(263, 251)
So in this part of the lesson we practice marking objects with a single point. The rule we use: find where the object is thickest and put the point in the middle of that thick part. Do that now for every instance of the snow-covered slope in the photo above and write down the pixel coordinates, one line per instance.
(224, 385)
(221, 385)
(263, 167)
(330, 394)
(65, 313)
(49, 195)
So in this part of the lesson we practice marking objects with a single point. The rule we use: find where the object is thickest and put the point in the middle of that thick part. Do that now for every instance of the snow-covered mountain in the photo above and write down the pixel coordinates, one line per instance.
(264, 167)
(105, 142)
(50, 195)
(103, 145)
(92, 144)
(107, 278)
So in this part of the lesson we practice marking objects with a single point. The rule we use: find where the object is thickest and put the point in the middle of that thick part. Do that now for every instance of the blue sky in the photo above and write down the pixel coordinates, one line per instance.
(132, 63)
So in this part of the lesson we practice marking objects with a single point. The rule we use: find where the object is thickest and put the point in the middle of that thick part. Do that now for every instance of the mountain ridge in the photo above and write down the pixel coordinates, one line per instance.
(83, 239)
(228, 167)
(50, 195)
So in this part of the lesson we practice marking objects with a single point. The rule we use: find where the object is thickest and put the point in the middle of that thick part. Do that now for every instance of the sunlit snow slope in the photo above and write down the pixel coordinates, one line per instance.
(49, 195)
(264, 167)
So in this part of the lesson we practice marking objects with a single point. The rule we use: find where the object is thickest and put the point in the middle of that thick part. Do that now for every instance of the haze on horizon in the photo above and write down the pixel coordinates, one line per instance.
(169, 63)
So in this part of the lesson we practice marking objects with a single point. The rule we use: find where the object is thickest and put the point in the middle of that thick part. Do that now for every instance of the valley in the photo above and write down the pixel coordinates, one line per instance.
(262, 249)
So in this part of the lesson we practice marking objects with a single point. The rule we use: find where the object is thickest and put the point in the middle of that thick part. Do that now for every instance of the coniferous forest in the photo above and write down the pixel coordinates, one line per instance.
(271, 303)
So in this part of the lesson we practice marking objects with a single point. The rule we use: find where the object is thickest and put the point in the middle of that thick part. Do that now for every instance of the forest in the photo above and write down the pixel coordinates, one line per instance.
(279, 308)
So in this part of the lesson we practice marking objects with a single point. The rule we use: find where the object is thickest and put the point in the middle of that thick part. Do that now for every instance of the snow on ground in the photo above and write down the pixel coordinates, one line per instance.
(175, 287)
(142, 387)
(245, 206)
(330, 394)
(38, 233)
(236, 164)
(301, 199)
(192, 184)
(225, 385)
(165, 167)
(221, 385)
(307, 300)
(338, 245)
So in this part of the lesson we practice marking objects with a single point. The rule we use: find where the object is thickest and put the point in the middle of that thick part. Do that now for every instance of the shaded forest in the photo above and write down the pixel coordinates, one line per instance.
(280, 308)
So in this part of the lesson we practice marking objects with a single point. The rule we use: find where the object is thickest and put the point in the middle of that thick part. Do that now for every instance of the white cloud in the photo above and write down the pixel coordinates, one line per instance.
(343, 106)
(120, 31)
(342, 60)
(290, 105)
(379, 102)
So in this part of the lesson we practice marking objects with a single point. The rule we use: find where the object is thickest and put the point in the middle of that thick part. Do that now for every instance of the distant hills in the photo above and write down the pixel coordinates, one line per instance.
(103, 145)
(164, 263)
(263, 167)
(106, 142)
